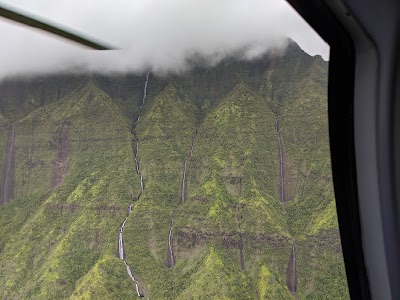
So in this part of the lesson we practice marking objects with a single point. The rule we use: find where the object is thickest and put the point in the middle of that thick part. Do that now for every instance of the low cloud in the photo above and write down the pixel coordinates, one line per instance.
(158, 35)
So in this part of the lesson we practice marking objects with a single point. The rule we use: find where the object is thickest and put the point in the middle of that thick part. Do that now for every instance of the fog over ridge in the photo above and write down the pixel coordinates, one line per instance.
(157, 35)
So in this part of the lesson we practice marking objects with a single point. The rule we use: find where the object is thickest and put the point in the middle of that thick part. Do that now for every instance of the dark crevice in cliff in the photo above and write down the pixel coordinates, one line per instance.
(7, 189)
(240, 244)
(170, 254)
(239, 221)
(291, 270)
(61, 162)
(281, 163)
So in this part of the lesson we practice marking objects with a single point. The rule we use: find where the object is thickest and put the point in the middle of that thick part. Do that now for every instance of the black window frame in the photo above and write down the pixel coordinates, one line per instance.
(364, 129)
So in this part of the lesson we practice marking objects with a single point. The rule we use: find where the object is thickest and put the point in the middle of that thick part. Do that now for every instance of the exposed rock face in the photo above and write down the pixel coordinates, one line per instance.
(61, 163)
(7, 187)
(291, 272)
(170, 252)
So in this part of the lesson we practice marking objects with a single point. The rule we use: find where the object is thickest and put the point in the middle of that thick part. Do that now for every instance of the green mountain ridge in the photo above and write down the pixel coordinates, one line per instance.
(207, 150)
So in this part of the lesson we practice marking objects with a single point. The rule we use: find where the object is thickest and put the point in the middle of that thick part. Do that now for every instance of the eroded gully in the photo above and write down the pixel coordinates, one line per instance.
(170, 254)
(291, 270)
(8, 170)
(140, 291)
(239, 221)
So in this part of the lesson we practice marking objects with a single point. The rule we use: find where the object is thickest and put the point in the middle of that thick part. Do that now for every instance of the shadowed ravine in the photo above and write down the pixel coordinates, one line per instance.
(8, 182)
(60, 165)
(281, 162)
(140, 291)
(291, 271)
(241, 248)
(170, 257)
(170, 254)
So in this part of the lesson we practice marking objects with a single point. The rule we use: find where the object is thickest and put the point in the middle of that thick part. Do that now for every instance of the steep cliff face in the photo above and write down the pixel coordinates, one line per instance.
(183, 190)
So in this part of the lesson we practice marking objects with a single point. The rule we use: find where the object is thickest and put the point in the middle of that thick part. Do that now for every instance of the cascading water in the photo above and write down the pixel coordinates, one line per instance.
(184, 183)
(170, 254)
(145, 89)
(137, 165)
(120, 245)
(141, 183)
(121, 253)
(170, 258)
(291, 271)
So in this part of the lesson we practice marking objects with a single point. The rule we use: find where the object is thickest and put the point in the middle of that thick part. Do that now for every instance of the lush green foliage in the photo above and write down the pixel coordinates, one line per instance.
(231, 236)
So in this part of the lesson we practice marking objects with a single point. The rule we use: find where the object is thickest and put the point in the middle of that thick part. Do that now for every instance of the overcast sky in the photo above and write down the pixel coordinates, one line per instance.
(157, 35)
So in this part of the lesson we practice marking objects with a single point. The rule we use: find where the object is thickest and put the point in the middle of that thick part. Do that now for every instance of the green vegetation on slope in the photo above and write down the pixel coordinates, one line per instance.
(231, 237)
(53, 237)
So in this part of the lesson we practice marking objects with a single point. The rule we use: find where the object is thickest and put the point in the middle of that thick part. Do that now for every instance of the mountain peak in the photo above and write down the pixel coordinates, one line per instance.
(89, 92)
(294, 49)
(90, 88)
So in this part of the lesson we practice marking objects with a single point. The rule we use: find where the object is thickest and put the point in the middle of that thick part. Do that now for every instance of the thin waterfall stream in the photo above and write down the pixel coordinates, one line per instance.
(170, 254)
(291, 270)
(145, 89)
(141, 293)
(170, 257)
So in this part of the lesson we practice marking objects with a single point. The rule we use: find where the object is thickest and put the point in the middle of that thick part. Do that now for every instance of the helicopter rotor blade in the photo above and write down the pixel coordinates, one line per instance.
(46, 26)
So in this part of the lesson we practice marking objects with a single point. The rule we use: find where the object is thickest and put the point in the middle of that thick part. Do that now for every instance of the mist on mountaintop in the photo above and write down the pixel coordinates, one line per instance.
(161, 36)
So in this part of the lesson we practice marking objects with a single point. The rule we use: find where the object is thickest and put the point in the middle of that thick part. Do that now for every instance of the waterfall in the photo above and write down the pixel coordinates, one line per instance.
(170, 254)
(145, 89)
(120, 245)
(134, 280)
(141, 183)
(170, 258)
(184, 180)
(121, 229)
(291, 272)
(121, 253)
(137, 166)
